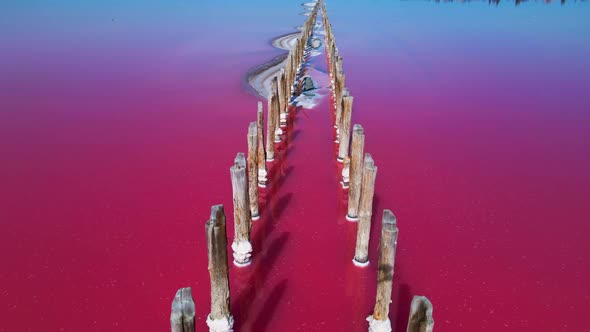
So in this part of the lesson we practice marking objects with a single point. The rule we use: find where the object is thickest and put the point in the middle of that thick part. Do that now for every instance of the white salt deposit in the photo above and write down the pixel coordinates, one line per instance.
(242, 253)
(225, 324)
(379, 325)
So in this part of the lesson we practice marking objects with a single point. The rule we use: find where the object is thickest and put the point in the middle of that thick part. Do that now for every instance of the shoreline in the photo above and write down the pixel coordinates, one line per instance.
(260, 77)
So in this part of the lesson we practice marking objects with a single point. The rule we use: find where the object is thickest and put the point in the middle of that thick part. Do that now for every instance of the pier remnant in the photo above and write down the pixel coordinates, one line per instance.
(242, 218)
(286, 93)
(356, 171)
(361, 256)
(270, 129)
(182, 315)
(387, 245)
(276, 109)
(339, 91)
(344, 128)
(289, 74)
(260, 147)
(253, 170)
(345, 173)
(220, 318)
(420, 315)
(282, 100)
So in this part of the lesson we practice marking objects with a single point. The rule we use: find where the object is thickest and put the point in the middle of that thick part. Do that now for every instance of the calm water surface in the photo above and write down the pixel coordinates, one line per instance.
(118, 123)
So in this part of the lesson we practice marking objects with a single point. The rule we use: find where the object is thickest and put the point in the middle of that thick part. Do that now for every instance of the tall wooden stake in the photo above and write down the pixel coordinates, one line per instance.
(387, 246)
(339, 92)
(420, 315)
(260, 147)
(361, 256)
(356, 171)
(345, 173)
(242, 218)
(182, 316)
(344, 128)
(282, 100)
(270, 129)
(253, 170)
(275, 109)
(286, 96)
(220, 318)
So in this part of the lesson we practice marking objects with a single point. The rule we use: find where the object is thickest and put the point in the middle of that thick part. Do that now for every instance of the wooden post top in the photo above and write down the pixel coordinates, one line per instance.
(182, 316)
(389, 221)
(240, 160)
(369, 162)
(357, 129)
(253, 129)
(217, 216)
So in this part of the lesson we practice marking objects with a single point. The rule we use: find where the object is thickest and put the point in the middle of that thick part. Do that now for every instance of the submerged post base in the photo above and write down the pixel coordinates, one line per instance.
(376, 325)
(242, 253)
(225, 324)
(262, 178)
(278, 134)
(360, 264)
(352, 219)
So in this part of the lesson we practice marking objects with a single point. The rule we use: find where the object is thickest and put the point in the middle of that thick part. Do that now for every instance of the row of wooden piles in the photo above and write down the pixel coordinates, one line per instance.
(248, 174)
(358, 176)
(283, 87)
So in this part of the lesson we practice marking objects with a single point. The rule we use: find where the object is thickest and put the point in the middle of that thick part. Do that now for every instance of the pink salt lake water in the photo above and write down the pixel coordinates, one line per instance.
(118, 124)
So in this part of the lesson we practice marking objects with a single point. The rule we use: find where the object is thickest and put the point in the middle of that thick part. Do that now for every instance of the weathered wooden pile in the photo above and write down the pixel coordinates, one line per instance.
(358, 176)
(248, 174)
(284, 86)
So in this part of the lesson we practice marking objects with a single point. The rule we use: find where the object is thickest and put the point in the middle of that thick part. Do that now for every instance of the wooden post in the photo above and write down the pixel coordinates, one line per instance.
(260, 147)
(339, 93)
(295, 60)
(293, 75)
(298, 52)
(220, 318)
(344, 128)
(282, 99)
(340, 81)
(339, 107)
(270, 130)
(253, 170)
(288, 77)
(361, 255)
(356, 172)
(387, 246)
(275, 109)
(278, 130)
(420, 315)
(242, 218)
(346, 173)
(280, 92)
(286, 89)
(182, 316)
